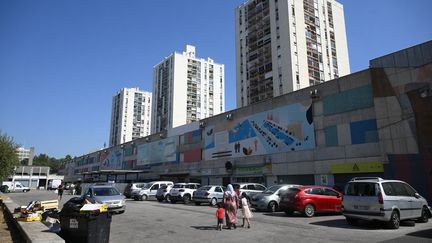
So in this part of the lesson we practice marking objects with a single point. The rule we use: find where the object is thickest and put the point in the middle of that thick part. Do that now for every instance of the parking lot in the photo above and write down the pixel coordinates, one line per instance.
(151, 221)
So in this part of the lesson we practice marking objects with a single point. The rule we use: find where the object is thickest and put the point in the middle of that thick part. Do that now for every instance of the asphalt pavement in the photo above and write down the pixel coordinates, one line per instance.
(151, 221)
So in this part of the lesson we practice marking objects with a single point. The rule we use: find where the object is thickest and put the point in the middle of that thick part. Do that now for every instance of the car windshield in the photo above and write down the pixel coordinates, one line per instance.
(179, 186)
(365, 189)
(147, 186)
(204, 188)
(272, 189)
(105, 191)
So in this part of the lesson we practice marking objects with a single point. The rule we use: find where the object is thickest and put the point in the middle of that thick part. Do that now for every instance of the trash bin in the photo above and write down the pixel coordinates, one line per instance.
(83, 227)
(77, 227)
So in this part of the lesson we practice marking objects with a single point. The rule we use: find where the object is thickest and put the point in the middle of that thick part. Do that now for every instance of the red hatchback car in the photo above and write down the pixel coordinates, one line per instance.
(310, 199)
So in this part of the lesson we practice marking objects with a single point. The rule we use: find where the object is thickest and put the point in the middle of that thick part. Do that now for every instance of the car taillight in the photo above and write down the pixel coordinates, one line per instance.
(380, 198)
(181, 190)
(207, 193)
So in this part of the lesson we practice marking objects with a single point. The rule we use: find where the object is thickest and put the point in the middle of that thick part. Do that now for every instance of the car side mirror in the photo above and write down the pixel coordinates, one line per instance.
(417, 195)
(338, 196)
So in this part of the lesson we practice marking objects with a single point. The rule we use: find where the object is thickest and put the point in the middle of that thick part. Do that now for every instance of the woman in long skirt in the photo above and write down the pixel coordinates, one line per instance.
(231, 205)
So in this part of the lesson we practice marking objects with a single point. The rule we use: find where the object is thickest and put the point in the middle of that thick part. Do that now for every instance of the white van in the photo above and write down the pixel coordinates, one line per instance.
(15, 186)
(150, 190)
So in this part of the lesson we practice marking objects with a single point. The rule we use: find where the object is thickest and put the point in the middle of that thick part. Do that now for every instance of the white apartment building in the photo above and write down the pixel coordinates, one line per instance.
(130, 115)
(186, 89)
(24, 153)
(286, 45)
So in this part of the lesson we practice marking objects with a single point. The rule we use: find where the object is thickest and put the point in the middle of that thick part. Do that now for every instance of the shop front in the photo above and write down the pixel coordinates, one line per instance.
(344, 172)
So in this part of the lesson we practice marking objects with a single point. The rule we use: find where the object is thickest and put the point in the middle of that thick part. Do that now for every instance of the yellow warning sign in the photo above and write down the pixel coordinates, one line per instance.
(357, 167)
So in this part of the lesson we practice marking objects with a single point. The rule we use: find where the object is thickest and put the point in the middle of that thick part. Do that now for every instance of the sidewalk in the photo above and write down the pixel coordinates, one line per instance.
(8, 231)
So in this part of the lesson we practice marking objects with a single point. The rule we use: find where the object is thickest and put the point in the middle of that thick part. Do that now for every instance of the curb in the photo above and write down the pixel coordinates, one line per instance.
(32, 232)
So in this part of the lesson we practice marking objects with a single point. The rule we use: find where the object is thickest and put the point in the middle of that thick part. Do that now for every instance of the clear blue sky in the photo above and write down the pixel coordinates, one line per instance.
(62, 61)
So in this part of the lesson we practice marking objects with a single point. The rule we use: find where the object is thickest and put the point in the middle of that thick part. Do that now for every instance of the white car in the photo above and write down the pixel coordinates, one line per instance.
(372, 198)
(183, 192)
(209, 194)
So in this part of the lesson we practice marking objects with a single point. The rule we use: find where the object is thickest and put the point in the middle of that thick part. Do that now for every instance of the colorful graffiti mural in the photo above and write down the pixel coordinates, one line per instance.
(111, 159)
(161, 151)
(284, 129)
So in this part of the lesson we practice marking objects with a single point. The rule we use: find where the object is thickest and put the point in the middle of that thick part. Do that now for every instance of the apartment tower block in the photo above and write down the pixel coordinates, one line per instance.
(286, 45)
(186, 89)
(130, 116)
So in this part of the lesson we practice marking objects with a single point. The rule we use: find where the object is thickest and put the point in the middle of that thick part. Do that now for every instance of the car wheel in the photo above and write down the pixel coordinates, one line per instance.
(213, 202)
(167, 198)
(144, 197)
(424, 216)
(272, 206)
(351, 221)
(394, 220)
(186, 199)
(309, 210)
(289, 212)
(197, 203)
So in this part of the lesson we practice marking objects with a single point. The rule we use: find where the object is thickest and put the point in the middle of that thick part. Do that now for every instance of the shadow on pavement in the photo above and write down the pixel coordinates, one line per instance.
(361, 224)
(204, 227)
(422, 233)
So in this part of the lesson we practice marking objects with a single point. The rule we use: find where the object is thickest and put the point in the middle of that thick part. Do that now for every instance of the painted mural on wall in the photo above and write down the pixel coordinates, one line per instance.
(157, 152)
(284, 129)
(111, 159)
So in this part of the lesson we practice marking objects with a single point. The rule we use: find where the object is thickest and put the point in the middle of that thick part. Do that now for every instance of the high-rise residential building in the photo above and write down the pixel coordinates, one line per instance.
(286, 45)
(24, 153)
(186, 89)
(130, 115)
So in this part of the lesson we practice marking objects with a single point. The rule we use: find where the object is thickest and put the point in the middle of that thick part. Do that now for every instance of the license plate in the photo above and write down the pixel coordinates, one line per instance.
(360, 207)
(73, 224)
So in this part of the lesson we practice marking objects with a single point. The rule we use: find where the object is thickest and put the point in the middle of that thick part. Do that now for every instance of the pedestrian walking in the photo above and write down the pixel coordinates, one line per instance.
(60, 190)
(230, 201)
(247, 214)
(220, 214)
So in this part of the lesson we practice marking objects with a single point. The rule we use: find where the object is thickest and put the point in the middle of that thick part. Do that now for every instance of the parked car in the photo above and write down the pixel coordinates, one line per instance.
(132, 188)
(149, 190)
(162, 193)
(108, 194)
(270, 198)
(250, 189)
(373, 198)
(16, 186)
(209, 194)
(183, 192)
(310, 200)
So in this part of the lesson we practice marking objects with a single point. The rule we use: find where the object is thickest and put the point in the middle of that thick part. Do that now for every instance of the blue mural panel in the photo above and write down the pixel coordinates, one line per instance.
(161, 151)
(283, 129)
(349, 100)
(331, 136)
(112, 159)
(364, 131)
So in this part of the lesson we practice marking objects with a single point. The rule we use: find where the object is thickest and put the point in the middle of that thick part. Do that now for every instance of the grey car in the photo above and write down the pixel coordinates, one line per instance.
(373, 198)
(209, 194)
(133, 188)
(270, 198)
(109, 195)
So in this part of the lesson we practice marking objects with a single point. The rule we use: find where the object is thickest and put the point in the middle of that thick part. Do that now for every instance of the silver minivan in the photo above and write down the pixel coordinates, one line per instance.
(270, 198)
(372, 198)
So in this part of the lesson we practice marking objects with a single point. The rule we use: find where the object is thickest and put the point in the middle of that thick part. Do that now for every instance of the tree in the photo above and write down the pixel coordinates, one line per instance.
(53, 163)
(8, 156)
